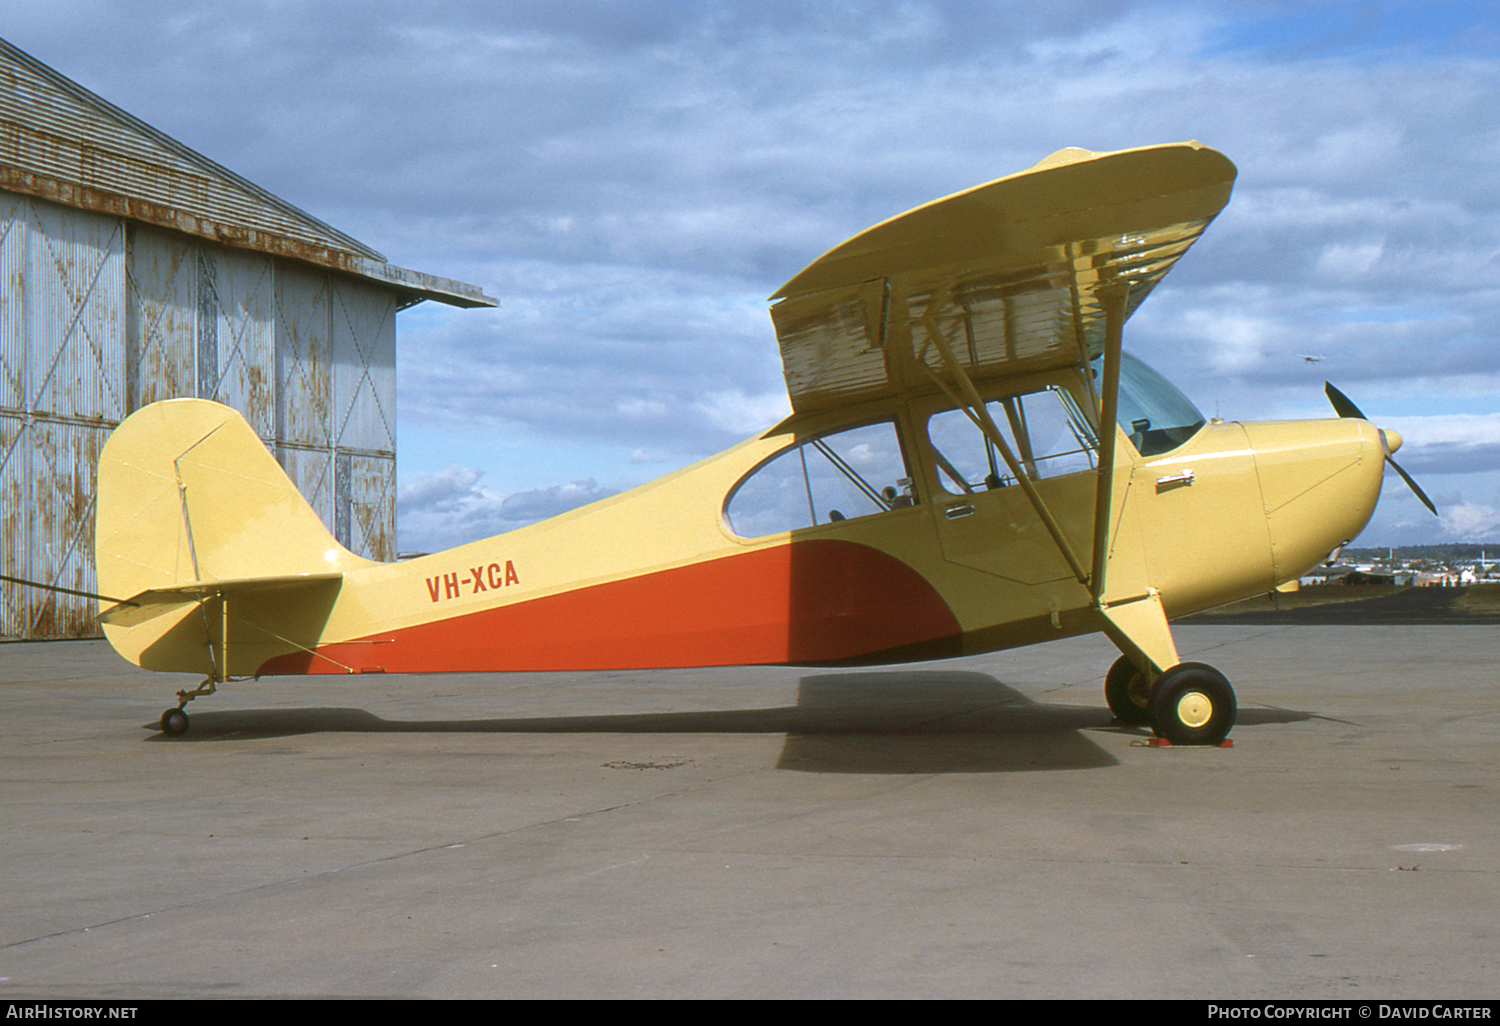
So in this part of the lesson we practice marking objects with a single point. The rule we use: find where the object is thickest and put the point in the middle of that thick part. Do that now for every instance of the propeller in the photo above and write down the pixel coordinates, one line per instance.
(1346, 408)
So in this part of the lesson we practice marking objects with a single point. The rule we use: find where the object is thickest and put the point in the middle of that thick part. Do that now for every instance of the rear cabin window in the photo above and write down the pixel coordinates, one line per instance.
(1045, 431)
(840, 476)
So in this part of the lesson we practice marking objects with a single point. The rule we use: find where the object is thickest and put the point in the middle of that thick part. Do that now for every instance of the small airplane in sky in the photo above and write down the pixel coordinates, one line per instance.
(972, 463)
(1311, 359)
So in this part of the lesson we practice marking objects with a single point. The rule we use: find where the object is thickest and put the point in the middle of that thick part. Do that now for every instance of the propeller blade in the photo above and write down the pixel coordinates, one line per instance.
(1342, 404)
(1416, 489)
(1344, 407)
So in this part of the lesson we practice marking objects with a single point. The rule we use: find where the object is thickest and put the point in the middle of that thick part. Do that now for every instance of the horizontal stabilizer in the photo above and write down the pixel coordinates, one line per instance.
(154, 602)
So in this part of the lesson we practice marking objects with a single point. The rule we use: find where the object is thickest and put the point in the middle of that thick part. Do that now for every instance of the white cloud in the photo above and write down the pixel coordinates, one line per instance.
(448, 487)
(450, 507)
(1449, 444)
(1470, 521)
(741, 414)
(1349, 259)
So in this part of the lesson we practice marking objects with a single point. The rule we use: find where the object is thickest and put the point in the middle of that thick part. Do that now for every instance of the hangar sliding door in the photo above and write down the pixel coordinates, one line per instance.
(100, 317)
(62, 391)
(336, 403)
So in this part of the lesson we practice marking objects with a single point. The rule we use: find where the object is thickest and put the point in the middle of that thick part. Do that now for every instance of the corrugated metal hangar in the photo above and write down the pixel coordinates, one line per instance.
(135, 269)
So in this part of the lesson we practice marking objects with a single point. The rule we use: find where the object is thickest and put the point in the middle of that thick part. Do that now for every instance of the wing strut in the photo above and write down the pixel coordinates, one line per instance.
(973, 406)
(1113, 299)
(1137, 623)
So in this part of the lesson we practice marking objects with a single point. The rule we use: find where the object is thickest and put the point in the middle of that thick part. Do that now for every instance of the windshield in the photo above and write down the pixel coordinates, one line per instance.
(1156, 416)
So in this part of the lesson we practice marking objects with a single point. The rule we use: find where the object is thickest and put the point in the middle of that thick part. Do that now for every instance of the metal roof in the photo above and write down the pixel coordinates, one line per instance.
(62, 143)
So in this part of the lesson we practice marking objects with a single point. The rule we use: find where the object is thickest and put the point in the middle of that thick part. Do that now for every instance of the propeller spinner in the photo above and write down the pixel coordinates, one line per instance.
(1346, 408)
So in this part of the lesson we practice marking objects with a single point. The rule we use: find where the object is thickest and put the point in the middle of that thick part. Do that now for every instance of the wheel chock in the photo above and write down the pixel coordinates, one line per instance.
(1161, 742)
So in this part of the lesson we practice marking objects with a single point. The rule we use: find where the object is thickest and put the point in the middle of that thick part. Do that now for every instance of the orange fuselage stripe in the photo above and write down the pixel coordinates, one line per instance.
(806, 602)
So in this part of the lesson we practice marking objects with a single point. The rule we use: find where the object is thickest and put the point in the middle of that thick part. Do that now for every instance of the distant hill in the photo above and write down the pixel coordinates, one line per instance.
(1363, 604)
(1451, 553)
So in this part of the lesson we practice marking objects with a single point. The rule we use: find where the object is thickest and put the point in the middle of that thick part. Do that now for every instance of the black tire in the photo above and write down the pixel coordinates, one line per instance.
(1128, 693)
(174, 723)
(1193, 704)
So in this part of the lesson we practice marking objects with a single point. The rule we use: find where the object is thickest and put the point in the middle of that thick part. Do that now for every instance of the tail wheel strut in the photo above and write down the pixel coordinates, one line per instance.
(174, 722)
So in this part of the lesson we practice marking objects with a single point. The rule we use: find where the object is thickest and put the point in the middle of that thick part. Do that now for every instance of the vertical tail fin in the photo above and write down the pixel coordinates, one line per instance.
(188, 497)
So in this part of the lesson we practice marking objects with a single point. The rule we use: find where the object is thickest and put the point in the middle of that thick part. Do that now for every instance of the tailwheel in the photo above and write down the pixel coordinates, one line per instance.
(174, 723)
(1128, 692)
(1193, 704)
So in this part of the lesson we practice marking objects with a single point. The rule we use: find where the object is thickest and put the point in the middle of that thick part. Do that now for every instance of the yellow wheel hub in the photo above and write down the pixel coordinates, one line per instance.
(1194, 709)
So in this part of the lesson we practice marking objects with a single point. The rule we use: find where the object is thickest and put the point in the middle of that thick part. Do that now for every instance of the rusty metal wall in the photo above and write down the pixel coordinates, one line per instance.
(100, 316)
(61, 393)
(304, 387)
(242, 312)
(304, 361)
(364, 385)
(161, 332)
(368, 523)
(336, 402)
(364, 355)
(201, 323)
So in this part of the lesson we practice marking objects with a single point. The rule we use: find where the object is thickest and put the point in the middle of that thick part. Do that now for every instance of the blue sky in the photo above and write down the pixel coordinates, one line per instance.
(632, 179)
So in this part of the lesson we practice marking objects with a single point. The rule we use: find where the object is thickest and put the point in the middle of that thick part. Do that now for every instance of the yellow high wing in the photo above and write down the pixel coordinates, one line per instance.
(1014, 272)
(1028, 273)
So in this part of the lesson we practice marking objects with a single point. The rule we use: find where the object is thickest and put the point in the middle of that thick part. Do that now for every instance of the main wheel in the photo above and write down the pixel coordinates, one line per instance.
(1193, 704)
(1128, 693)
(174, 723)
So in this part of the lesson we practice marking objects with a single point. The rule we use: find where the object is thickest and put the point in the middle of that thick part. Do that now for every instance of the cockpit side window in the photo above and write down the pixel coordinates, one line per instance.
(1157, 417)
(1045, 430)
(839, 476)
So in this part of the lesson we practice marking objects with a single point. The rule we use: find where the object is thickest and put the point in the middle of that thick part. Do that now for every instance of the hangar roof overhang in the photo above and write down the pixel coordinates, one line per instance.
(62, 143)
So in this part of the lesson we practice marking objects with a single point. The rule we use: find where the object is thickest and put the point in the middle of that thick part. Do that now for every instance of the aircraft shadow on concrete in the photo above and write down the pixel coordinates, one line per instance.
(859, 722)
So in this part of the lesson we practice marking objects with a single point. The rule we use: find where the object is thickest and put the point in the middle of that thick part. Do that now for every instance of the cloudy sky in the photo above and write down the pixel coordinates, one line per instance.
(631, 179)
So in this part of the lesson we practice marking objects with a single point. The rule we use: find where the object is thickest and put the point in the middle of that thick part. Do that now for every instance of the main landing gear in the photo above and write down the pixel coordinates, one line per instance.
(1190, 704)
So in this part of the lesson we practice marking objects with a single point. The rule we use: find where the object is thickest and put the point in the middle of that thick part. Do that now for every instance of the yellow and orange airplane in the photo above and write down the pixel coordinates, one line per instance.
(972, 464)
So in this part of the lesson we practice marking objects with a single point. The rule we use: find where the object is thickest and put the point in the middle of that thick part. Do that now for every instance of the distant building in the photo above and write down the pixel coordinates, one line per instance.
(1344, 573)
(135, 269)
(1368, 577)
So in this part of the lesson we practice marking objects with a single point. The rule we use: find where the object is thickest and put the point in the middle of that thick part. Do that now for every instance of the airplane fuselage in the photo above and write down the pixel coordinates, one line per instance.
(659, 576)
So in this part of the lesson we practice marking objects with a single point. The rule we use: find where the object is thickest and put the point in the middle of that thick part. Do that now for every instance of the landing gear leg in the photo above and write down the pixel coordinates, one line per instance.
(1139, 629)
(1185, 703)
